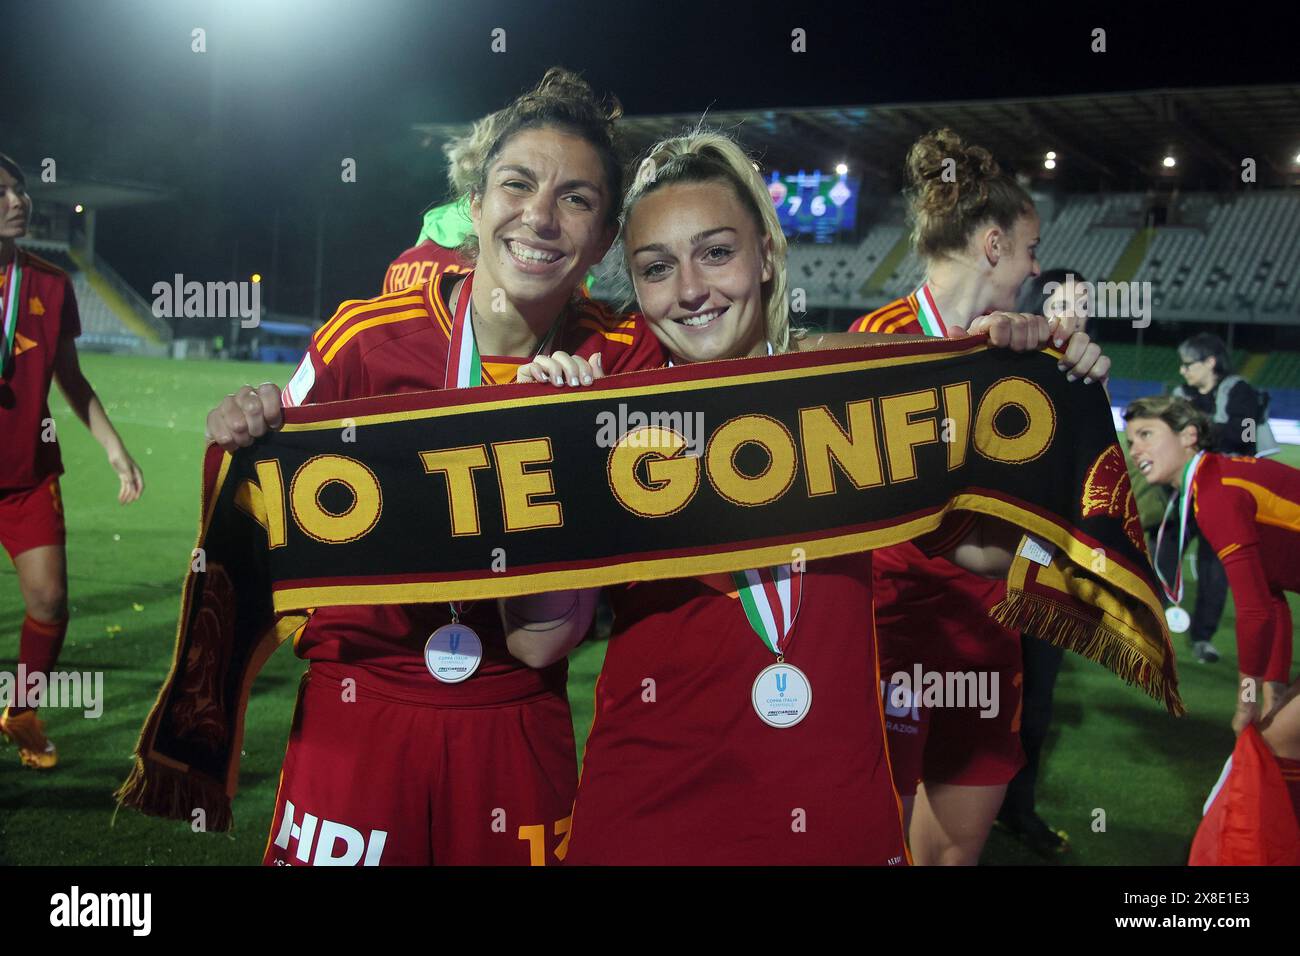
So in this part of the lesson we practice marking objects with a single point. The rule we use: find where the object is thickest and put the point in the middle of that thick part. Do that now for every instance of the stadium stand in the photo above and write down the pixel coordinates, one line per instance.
(113, 316)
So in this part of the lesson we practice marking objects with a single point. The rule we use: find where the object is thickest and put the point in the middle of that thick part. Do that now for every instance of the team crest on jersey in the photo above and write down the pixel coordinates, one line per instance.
(1108, 491)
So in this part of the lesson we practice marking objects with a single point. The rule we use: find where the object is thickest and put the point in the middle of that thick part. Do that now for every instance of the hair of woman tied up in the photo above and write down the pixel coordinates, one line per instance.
(955, 188)
(713, 156)
(563, 101)
(1175, 412)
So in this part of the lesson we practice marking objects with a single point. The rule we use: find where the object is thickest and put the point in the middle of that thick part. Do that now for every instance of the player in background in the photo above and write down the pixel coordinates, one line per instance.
(453, 751)
(446, 226)
(681, 767)
(976, 230)
(1248, 510)
(1064, 295)
(41, 325)
(435, 252)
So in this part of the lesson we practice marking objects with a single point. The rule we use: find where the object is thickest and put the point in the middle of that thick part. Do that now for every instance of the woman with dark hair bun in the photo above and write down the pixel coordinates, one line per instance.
(976, 229)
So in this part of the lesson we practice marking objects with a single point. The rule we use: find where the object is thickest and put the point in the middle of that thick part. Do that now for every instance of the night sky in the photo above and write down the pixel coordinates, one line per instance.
(287, 88)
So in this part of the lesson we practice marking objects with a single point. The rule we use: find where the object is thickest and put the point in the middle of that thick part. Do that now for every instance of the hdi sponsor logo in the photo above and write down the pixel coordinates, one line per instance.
(325, 835)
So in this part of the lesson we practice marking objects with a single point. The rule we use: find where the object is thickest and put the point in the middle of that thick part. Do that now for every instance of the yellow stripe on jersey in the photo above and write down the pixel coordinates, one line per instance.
(439, 306)
(875, 321)
(604, 319)
(502, 373)
(1270, 508)
(357, 327)
(356, 307)
(1228, 550)
(905, 319)
(623, 337)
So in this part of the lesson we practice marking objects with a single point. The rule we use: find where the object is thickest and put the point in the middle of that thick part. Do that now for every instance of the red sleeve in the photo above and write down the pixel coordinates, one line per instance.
(625, 342)
(313, 381)
(1226, 517)
(1279, 655)
(70, 321)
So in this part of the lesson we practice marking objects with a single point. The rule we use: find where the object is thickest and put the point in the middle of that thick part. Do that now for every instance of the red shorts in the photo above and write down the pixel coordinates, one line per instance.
(953, 743)
(374, 781)
(32, 517)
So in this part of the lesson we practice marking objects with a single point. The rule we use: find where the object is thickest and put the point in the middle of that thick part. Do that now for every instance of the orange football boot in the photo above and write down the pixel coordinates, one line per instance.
(27, 731)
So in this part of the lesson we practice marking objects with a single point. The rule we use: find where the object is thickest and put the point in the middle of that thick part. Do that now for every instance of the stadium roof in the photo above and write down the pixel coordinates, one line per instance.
(92, 192)
(1110, 140)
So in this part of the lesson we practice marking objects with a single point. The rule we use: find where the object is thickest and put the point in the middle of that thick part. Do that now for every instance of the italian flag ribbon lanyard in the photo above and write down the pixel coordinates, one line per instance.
(465, 365)
(927, 313)
(1179, 620)
(12, 300)
(782, 693)
(454, 651)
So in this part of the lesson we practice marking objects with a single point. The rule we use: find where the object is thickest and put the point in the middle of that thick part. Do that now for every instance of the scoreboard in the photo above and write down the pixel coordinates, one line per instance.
(815, 204)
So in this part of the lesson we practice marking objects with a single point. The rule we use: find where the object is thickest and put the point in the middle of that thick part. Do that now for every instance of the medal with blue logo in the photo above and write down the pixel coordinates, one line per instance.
(453, 652)
(782, 693)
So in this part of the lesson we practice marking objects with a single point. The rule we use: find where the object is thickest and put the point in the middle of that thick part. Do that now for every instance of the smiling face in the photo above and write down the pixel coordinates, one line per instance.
(699, 261)
(542, 219)
(15, 207)
(1017, 261)
(1159, 452)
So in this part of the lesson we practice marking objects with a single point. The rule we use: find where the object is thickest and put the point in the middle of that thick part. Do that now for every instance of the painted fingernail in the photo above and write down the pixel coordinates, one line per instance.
(1071, 377)
(1060, 366)
(1060, 342)
(586, 380)
(1087, 380)
(573, 381)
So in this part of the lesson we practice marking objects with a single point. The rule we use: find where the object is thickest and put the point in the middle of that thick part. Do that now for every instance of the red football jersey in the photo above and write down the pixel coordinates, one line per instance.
(47, 312)
(899, 316)
(679, 769)
(1248, 509)
(421, 263)
(397, 343)
(933, 613)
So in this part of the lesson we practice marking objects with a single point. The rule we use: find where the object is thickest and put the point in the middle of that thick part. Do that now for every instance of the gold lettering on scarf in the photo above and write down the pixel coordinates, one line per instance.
(317, 474)
(903, 435)
(856, 452)
(1040, 422)
(263, 501)
(769, 484)
(519, 486)
(671, 475)
(458, 465)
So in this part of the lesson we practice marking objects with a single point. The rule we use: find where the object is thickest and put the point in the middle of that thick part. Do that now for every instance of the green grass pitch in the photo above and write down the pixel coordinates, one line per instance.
(1111, 749)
